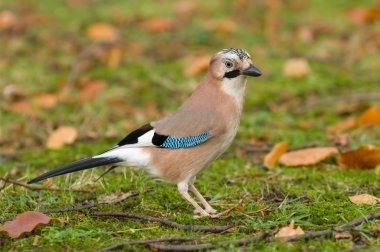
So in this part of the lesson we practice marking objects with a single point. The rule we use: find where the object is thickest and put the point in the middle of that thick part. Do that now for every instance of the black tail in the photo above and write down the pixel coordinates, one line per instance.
(79, 165)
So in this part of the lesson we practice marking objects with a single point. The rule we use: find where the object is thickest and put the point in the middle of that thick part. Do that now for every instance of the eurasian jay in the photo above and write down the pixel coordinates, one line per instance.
(180, 145)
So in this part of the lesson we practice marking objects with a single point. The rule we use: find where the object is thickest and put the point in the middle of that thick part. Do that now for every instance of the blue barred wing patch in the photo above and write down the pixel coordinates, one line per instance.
(172, 142)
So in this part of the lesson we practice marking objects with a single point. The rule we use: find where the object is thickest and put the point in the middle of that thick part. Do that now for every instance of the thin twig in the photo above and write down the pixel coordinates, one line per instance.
(357, 222)
(35, 188)
(149, 241)
(364, 246)
(212, 229)
(210, 245)
(231, 208)
(245, 241)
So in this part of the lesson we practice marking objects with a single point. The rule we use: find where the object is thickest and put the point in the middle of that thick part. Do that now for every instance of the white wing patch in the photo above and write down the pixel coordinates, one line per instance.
(146, 139)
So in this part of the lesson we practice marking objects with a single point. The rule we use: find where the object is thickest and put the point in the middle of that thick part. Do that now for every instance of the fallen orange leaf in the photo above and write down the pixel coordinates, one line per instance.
(26, 222)
(307, 156)
(22, 107)
(48, 182)
(366, 157)
(114, 56)
(289, 231)
(8, 20)
(158, 24)
(61, 136)
(198, 66)
(270, 160)
(91, 90)
(47, 100)
(102, 32)
(363, 15)
(364, 199)
(370, 116)
(297, 67)
(342, 126)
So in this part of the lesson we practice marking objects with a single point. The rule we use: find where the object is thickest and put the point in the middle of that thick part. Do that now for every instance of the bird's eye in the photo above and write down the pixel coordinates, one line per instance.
(228, 64)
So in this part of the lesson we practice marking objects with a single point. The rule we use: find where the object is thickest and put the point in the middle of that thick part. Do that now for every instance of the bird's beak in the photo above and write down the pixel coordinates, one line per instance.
(251, 71)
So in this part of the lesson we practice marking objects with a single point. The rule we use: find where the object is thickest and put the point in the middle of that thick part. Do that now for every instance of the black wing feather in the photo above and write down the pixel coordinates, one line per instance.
(132, 138)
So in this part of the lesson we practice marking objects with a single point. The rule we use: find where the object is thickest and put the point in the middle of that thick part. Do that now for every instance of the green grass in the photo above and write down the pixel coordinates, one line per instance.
(38, 59)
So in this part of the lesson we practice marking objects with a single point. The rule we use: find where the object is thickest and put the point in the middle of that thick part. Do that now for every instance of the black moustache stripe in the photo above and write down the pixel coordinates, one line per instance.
(232, 74)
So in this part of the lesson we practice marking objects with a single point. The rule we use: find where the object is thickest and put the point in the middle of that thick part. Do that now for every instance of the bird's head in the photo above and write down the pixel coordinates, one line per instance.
(232, 63)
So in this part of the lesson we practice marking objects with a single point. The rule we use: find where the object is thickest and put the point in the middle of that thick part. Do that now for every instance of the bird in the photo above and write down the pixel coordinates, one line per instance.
(178, 146)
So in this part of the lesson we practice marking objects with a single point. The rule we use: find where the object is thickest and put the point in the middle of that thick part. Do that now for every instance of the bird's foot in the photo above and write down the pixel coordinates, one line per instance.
(211, 210)
(207, 210)
(200, 213)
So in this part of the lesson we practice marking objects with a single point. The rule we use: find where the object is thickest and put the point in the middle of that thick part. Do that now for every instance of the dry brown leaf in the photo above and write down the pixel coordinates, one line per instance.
(198, 66)
(308, 156)
(21, 107)
(370, 116)
(61, 136)
(47, 100)
(289, 231)
(366, 157)
(363, 15)
(48, 182)
(376, 228)
(297, 67)
(8, 20)
(158, 25)
(26, 222)
(340, 140)
(342, 126)
(342, 235)
(36, 240)
(270, 160)
(306, 34)
(114, 56)
(91, 90)
(113, 198)
(364, 199)
(102, 32)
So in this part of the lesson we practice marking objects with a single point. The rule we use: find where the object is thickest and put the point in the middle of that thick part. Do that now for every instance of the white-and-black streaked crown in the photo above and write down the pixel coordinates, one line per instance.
(242, 54)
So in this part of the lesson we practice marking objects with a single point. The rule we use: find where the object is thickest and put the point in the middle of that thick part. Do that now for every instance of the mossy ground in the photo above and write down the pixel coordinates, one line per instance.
(343, 60)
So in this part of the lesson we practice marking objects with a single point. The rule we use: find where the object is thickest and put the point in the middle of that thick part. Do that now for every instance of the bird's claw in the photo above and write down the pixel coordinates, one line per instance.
(207, 210)
(211, 210)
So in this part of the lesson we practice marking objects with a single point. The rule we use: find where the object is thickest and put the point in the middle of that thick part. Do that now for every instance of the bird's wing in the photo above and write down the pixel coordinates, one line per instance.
(147, 136)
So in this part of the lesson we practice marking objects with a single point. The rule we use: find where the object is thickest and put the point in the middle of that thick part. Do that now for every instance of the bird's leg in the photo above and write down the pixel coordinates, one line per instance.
(197, 194)
(183, 190)
(204, 202)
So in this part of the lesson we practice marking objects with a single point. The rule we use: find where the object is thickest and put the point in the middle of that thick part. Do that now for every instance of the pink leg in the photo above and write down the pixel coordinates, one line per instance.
(183, 190)
(204, 202)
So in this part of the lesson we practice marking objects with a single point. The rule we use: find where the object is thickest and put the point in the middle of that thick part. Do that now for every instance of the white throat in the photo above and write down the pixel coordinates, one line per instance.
(235, 87)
